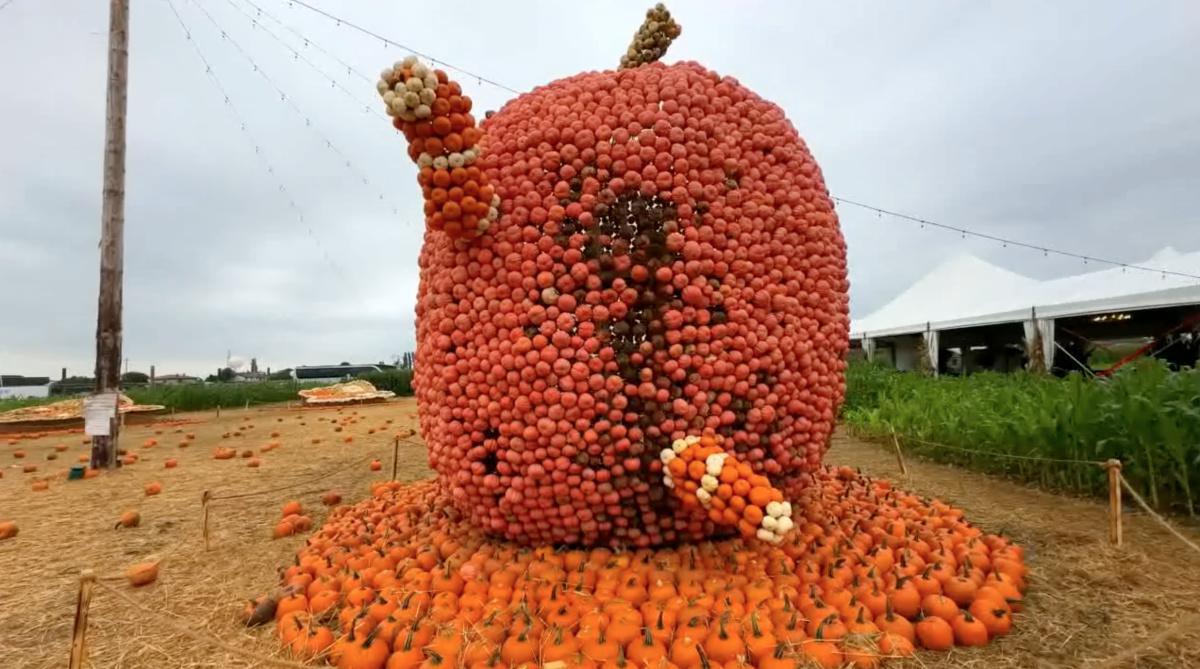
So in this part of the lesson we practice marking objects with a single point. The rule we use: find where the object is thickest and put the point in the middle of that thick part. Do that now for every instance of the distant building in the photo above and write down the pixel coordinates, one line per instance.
(333, 373)
(175, 379)
(253, 376)
(15, 385)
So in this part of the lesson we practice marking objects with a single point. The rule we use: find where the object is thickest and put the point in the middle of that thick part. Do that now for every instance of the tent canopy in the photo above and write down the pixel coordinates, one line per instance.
(968, 291)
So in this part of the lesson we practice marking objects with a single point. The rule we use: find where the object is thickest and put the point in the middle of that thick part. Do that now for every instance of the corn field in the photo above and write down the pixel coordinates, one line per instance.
(1146, 416)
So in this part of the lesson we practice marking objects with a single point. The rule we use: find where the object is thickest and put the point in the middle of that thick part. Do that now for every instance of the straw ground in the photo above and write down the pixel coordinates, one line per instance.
(1089, 605)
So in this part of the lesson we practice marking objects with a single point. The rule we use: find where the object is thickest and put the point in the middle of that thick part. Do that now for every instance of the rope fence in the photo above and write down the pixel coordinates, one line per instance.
(207, 498)
(288, 486)
(1156, 517)
(1116, 484)
(181, 628)
(1011, 456)
(1113, 467)
(1123, 658)
(89, 581)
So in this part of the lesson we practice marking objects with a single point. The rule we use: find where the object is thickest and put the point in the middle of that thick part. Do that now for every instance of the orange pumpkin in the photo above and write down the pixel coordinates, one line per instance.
(143, 573)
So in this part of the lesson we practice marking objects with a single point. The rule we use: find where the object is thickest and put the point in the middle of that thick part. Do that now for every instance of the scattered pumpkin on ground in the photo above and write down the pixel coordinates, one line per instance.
(129, 519)
(143, 573)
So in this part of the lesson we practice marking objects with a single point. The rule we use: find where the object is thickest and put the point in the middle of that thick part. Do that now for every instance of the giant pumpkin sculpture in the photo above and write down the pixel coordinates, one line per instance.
(619, 260)
(631, 326)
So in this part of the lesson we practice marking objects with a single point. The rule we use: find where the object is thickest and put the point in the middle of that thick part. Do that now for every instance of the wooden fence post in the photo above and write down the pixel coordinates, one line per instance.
(247, 405)
(899, 456)
(395, 456)
(204, 499)
(87, 580)
(1114, 501)
(218, 411)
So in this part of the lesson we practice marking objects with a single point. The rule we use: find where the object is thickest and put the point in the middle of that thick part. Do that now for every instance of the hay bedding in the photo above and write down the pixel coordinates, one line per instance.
(1087, 604)
(70, 527)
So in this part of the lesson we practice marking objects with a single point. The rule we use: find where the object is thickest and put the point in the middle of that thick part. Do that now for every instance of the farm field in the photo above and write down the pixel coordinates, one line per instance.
(1045, 430)
(1088, 605)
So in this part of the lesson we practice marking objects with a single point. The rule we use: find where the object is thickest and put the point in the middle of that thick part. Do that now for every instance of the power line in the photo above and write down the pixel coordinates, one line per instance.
(1046, 250)
(258, 151)
(284, 97)
(340, 21)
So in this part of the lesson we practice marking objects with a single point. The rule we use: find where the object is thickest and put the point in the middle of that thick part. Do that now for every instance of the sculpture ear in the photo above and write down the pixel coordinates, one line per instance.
(444, 142)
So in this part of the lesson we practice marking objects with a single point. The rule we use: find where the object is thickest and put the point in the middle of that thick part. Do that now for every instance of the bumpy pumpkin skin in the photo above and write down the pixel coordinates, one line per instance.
(667, 261)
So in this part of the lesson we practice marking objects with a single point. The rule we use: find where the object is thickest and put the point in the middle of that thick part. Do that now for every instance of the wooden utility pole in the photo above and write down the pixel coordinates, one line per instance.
(112, 236)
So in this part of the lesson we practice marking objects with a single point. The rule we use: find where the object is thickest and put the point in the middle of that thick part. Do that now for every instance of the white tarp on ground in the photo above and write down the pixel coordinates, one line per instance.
(966, 291)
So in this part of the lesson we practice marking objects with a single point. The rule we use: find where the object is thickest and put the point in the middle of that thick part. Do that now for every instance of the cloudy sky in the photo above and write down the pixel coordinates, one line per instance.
(1070, 124)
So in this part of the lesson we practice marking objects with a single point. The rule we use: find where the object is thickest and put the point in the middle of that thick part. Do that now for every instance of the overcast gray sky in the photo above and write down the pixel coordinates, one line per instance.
(1071, 124)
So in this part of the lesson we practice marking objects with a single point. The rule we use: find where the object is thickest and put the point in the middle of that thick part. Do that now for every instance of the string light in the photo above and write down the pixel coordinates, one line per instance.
(350, 69)
(398, 45)
(879, 211)
(1046, 251)
(283, 97)
(296, 55)
(258, 151)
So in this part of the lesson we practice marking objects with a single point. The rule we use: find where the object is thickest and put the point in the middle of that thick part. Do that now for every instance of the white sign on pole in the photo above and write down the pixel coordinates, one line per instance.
(98, 412)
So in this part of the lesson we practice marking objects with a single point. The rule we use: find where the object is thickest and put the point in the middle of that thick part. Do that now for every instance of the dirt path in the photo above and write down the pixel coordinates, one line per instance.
(1089, 604)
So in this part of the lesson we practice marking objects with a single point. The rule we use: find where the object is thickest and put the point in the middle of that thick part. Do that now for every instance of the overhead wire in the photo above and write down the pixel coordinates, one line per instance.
(368, 106)
(965, 232)
(258, 150)
(350, 69)
(1046, 250)
(290, 101)
(387, 41)
(879, 210)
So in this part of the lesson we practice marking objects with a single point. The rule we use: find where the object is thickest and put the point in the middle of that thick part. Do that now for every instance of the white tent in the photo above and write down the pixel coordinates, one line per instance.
(967, 291)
